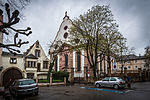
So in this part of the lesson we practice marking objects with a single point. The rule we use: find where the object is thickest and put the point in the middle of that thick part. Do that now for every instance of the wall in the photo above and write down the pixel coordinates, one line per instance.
(140, 63)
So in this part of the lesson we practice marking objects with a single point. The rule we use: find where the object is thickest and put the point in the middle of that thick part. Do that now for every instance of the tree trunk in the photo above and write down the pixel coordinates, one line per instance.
(94, 71)
(109, 63)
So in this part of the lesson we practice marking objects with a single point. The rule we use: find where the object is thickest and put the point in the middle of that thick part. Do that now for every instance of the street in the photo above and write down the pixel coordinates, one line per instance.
(139, 91)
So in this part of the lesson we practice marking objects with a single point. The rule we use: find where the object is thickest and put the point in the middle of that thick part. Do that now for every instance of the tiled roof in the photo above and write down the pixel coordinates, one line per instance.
(10, 54)
(28, 50)
(131, 57)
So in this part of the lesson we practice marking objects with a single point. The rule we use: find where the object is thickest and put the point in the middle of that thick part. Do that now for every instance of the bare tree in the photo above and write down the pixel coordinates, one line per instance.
(97, 33)
(147, 56)
(15, 4)
(6, 27)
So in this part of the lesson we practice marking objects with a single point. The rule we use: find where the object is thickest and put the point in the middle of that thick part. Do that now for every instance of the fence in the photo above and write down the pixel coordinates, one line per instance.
(52, 81)
(87, 76)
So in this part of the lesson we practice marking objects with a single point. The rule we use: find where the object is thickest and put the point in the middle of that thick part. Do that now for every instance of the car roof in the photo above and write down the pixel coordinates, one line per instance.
(23, 79)
(113, 77)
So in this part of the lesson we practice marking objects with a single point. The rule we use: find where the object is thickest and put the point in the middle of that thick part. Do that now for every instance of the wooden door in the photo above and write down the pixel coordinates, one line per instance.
(11, 75)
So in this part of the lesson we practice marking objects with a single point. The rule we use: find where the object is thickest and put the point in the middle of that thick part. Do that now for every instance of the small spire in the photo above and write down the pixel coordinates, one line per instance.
(66, 13)
(66, 16)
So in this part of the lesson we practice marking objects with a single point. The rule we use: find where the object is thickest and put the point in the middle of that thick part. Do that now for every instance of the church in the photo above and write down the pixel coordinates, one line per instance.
(73, 59)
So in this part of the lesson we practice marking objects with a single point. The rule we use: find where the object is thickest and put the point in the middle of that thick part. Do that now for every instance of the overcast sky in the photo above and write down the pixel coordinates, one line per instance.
(45, 17)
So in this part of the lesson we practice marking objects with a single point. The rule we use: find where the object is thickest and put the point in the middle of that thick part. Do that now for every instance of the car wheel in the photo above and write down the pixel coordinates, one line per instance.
(98, 85)
(116, 86)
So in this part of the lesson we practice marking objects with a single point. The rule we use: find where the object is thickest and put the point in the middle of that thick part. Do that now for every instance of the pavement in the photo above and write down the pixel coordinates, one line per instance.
(139, 91)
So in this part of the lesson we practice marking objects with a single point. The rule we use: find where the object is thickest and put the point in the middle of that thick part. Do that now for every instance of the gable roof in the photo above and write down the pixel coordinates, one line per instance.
(28, 50)
(65, 19)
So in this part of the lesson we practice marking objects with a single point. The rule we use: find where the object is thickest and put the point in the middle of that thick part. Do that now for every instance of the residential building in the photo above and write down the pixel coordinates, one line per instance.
(36, 62)
(32, 64)
(132, 63)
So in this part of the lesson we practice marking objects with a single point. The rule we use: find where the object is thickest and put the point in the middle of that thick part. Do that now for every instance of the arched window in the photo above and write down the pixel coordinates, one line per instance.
(56, 64)
(66, 60)
(78, 61)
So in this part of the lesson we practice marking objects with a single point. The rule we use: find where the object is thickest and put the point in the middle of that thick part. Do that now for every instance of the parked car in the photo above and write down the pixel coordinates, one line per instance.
(115, 82)
(23, 86)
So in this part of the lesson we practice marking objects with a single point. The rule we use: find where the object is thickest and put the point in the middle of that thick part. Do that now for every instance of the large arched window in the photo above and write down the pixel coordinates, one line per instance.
(56, 64)
(78, 61)
(66, 60)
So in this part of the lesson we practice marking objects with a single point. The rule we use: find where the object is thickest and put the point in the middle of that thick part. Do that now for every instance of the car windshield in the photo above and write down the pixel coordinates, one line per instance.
(120, 79)
(26, 82)
(105, 79)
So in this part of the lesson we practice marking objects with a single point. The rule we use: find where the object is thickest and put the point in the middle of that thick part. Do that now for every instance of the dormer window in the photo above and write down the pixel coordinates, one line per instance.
(37, 44)
(13, 60)
(37, 53)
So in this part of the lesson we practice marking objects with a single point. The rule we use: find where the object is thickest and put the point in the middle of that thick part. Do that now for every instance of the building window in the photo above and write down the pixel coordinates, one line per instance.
(45, 64)
(31, 64)
(136, 67)
(37, 53)
(38, 67)
(78, 61)
(129, 62)
(56, 64)
(66, 60)
(65, 28)
(77, 41)
(37, 44)
(65, 35)
(129, 67)
(13, 60)
(30, 75)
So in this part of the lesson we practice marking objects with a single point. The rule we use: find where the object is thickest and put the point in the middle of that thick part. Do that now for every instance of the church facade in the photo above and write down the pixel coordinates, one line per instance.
(73, 59)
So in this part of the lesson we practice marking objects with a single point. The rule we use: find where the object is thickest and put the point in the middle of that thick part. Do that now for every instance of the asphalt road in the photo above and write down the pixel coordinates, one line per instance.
(139, 91)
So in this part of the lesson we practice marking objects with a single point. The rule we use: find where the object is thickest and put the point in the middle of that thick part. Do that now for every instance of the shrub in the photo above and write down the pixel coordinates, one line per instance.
(60, 75)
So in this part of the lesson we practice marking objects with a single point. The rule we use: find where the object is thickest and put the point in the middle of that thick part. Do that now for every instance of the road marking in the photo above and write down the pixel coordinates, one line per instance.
(115, 91)
(128, 91)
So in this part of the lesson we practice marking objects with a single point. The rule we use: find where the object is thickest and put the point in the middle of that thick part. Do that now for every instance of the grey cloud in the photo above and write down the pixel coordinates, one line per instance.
(45, 17)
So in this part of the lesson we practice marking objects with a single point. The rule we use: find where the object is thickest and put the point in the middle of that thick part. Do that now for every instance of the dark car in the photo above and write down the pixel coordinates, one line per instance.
(23, 86)
(115, 82)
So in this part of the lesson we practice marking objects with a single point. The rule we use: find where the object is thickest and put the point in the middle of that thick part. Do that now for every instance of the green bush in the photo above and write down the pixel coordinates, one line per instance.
(43, 81)
(55, 81)
(60, 75)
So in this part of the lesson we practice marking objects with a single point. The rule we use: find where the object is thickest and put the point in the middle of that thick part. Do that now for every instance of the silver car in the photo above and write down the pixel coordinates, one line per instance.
(23, 86)
(115, 82)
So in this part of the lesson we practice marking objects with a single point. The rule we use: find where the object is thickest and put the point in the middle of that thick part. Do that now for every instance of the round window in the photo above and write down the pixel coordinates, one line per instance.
(77, 41)
(65, 35)
(65, 27)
